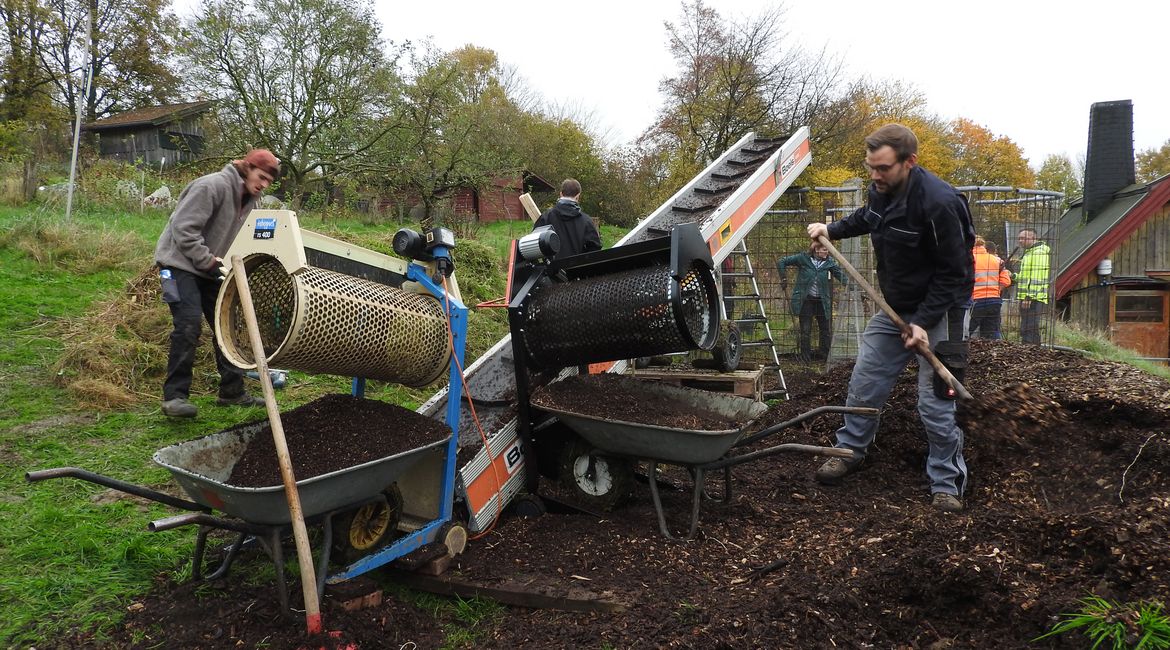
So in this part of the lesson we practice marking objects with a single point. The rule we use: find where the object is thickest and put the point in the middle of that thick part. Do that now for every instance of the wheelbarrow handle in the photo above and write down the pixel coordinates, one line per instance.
(204, 519)
(122, 486)
(922, 349)
(807, 415)
(836, 452)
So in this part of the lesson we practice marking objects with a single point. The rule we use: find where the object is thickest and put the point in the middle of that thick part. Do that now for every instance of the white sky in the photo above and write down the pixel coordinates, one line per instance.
(1025, 69)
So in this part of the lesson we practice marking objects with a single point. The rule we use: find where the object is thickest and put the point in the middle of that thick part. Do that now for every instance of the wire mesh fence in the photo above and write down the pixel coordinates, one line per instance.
(999, 214)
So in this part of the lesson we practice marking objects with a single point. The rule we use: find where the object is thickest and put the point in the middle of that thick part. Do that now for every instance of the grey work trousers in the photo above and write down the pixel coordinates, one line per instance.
(881, 359)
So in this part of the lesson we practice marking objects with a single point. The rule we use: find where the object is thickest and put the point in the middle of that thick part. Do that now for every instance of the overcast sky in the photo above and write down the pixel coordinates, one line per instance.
(1025, 69)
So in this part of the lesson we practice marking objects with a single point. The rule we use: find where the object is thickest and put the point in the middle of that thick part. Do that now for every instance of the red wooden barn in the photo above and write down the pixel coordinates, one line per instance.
(500, 201)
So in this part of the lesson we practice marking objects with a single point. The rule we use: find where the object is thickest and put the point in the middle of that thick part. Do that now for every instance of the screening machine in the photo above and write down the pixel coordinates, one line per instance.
(326, 306)
(655, 296)
(722, 204)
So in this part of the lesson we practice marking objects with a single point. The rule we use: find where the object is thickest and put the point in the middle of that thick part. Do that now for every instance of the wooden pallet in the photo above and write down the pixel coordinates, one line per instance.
(744, 383)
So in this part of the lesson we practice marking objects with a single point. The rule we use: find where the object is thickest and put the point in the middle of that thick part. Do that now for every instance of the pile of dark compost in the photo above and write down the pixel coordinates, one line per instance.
(332, 433)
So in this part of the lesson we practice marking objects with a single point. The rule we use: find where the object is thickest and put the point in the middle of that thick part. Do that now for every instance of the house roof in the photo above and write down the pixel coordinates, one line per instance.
(1084, 245)
(156, 115)
(534, 183)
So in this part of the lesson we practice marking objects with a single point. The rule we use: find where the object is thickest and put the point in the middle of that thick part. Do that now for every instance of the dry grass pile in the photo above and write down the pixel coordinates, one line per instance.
(75, 247)
(116, 353)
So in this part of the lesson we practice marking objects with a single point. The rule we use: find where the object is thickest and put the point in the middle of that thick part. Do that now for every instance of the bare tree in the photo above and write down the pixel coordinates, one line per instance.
(130, 42)
(307, 79)
(735, 77)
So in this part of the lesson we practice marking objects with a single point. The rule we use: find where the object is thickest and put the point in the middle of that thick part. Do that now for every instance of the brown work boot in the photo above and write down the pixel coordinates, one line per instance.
(243, 399)
(946, 502)
(836, 469)
(180, 407)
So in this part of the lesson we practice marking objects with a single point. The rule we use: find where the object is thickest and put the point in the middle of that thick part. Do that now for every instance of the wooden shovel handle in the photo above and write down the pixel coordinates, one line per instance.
(300, 532)
(922, 349)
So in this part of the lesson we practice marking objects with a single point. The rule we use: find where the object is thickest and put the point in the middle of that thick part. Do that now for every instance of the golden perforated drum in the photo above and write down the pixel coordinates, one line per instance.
(320, 321)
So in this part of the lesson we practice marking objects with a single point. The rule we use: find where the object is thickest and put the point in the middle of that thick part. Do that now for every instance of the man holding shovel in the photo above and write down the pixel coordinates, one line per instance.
(922, 238)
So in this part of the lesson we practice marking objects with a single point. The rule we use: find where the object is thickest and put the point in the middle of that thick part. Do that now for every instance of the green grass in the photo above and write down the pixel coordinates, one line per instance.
(1097, 346)
(68, 561)
(1129, 626)
(463, 622)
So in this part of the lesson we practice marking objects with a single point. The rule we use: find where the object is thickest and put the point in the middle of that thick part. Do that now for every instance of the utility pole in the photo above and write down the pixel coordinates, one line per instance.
(86, 80)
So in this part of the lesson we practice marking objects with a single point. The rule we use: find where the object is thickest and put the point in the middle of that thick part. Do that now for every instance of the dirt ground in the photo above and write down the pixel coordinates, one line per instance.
(1069, 495)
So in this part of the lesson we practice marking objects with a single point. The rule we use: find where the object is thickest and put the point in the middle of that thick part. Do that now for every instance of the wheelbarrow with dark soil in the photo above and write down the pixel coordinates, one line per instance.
(600, 465)
(363, 501)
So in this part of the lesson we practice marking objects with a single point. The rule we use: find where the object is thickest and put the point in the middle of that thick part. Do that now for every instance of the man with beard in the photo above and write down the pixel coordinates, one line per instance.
(922, 238)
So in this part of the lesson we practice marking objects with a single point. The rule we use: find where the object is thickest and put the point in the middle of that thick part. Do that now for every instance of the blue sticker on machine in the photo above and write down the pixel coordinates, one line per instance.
(265, 228)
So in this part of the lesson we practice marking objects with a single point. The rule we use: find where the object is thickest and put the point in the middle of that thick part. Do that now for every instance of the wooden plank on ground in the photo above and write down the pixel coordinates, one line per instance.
(507, 594)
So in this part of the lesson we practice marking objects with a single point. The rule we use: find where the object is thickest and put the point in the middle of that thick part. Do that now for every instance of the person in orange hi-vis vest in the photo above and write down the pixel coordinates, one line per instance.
(991, 278)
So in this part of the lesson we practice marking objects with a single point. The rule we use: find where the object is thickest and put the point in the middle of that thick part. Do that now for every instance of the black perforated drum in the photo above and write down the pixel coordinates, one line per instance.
(632, 313)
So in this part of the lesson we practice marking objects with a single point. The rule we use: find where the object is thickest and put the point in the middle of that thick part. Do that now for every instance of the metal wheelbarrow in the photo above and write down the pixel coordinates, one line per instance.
(698, 451)
(366, 496)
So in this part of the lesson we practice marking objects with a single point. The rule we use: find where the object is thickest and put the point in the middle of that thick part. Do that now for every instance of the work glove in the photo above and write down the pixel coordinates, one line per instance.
(953, 355)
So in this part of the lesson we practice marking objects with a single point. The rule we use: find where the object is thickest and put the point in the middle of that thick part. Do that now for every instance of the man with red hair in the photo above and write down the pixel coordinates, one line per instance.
(189, 253)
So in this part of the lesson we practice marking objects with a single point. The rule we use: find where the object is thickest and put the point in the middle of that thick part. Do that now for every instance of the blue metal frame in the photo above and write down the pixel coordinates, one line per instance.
(457, 315)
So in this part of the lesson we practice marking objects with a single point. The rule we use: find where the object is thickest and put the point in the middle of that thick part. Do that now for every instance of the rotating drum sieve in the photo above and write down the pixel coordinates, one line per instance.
(652, 297)
(633, 313)
(321, 321)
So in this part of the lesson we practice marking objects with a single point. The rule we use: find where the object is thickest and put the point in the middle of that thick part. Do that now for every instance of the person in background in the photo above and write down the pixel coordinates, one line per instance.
(574, 228)
(1032, 285)
(922, 239)
(189, 255)
(991, 278)
(812, 296)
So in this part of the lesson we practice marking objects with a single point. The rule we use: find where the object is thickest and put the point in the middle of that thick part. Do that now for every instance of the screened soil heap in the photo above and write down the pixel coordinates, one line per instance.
(1069, 495)
(619, 397)
(332, 433)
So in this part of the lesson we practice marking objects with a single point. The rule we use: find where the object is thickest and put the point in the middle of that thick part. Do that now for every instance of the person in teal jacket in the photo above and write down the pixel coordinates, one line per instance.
(812, 296)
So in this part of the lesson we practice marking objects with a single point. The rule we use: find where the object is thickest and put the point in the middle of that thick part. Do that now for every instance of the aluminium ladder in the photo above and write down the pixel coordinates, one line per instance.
(749, 321)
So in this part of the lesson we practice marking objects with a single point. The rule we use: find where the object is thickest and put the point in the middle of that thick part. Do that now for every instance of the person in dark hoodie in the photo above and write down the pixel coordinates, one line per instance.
(189, 255)
(574, 228)
(922, 238)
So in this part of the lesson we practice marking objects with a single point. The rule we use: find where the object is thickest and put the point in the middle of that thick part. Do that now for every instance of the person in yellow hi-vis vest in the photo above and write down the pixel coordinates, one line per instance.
(991, 278)
(1032, 285)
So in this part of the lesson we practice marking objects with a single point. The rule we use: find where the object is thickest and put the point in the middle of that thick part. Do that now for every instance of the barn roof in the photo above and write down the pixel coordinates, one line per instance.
(1084, 244)
(149, 115)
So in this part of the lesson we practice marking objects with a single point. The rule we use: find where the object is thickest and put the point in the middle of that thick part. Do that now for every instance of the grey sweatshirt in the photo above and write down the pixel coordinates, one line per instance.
(210, 211)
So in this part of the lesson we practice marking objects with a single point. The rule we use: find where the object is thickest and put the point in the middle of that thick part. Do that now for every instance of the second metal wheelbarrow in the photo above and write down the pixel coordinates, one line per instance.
(698, 451)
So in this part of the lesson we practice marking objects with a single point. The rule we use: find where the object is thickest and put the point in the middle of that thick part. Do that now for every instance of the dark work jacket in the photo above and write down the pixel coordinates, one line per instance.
(922, 239)
(574, 228)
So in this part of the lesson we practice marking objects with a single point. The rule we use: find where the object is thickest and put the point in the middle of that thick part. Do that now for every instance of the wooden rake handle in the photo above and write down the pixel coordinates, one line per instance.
(922, 349)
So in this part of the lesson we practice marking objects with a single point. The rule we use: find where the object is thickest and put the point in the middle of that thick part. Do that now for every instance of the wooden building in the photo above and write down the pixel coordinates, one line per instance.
(155, 135)
(1113, 273)
(500, 201)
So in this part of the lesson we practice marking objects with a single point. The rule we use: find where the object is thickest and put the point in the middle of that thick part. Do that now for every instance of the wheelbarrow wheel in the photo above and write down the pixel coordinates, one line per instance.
(597, 481)
(365, 529)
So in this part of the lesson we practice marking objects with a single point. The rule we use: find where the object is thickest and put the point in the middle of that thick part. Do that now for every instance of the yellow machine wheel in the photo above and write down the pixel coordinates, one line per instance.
(365, 529)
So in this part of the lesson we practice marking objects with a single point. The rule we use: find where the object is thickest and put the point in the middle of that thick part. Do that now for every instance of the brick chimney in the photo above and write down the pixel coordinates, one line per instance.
(1109, 162)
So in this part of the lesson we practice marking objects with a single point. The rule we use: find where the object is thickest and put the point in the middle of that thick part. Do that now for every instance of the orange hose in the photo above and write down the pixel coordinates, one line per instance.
(474, 415)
